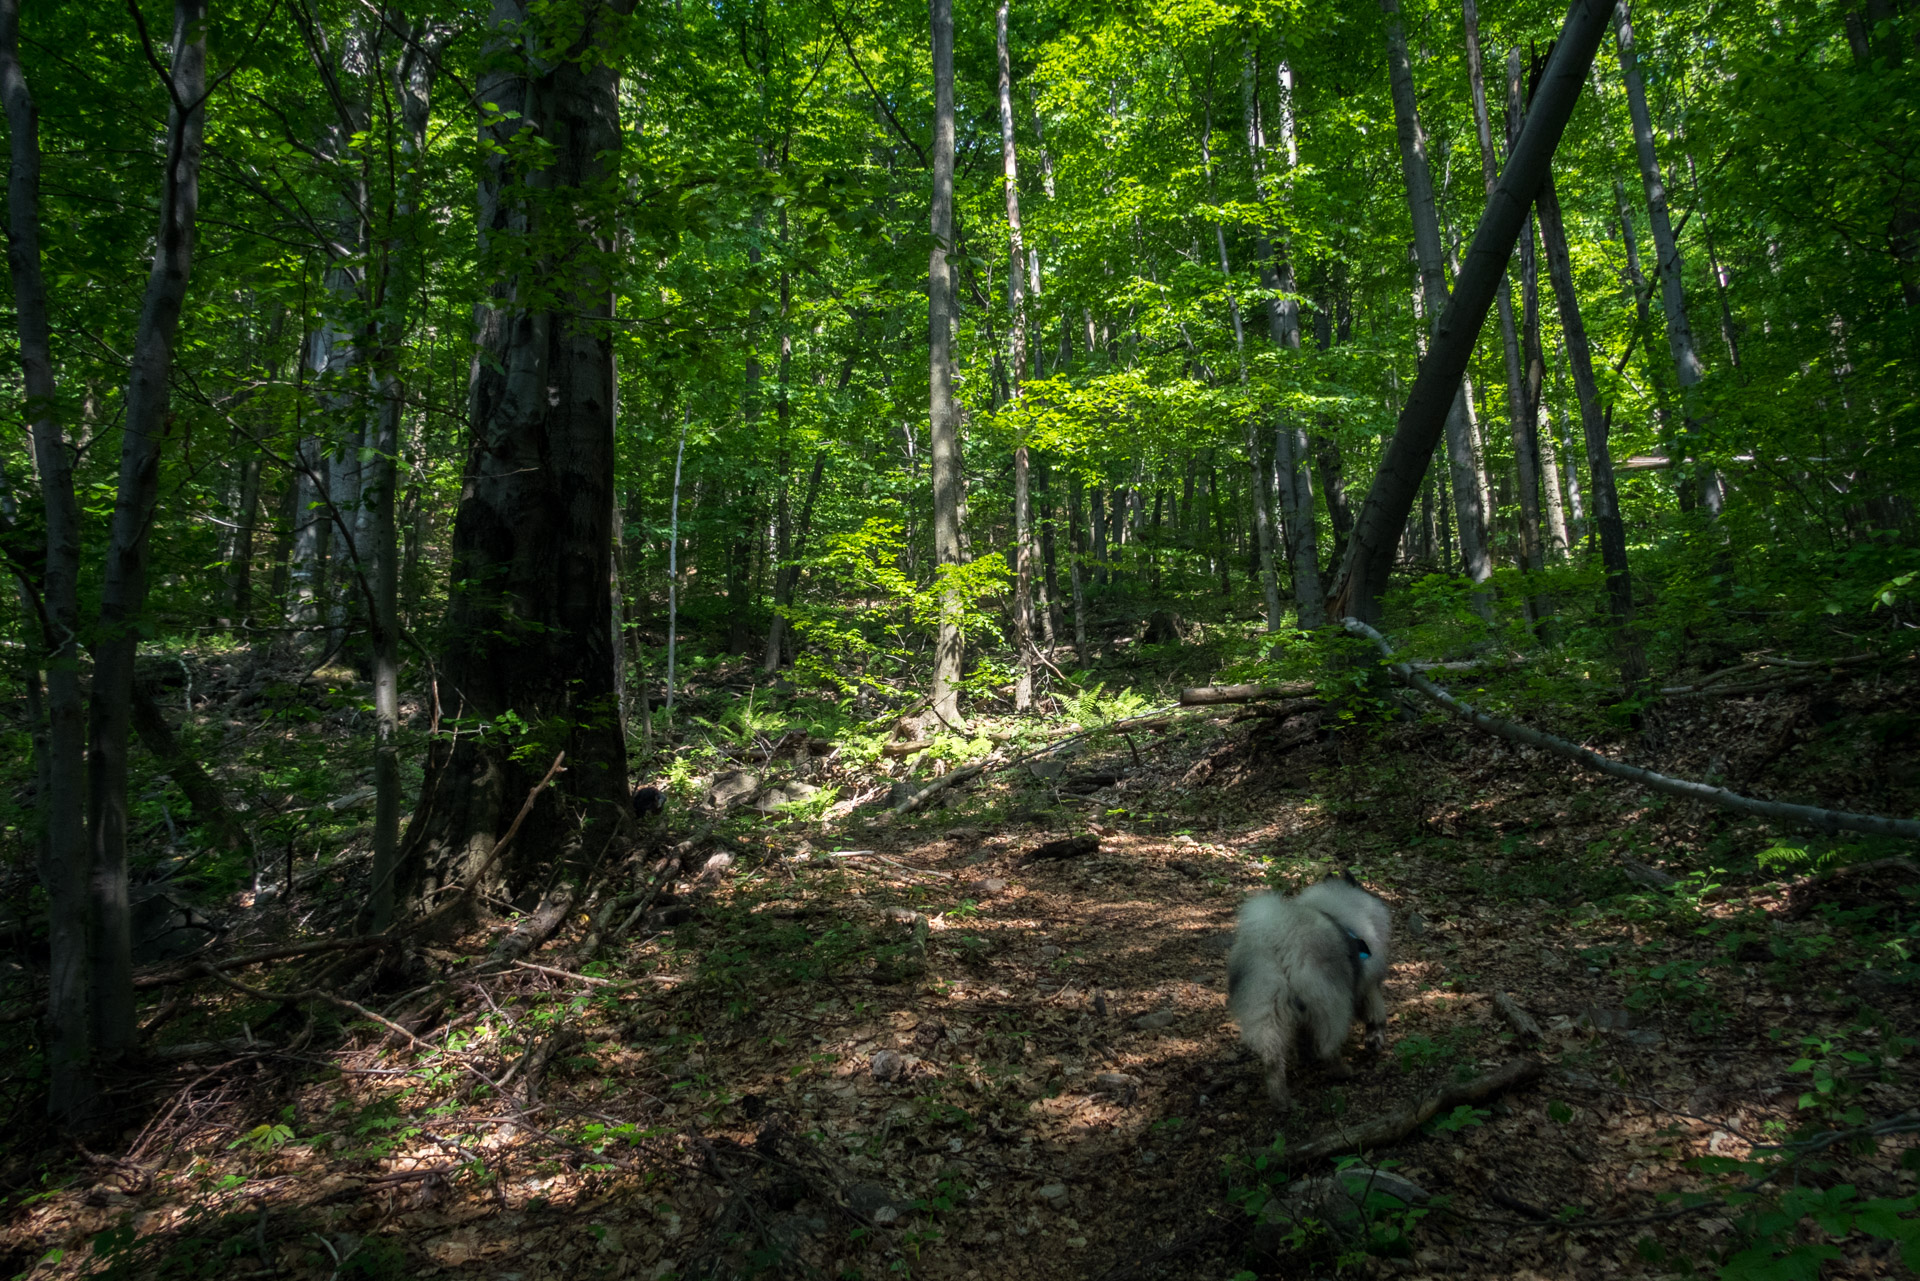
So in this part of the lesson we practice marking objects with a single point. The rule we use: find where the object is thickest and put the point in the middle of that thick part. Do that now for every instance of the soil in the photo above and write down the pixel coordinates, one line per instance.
(877, 1047)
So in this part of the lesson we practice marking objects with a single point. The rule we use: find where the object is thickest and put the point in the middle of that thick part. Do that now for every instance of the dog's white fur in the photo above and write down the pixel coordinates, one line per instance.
(1297, 966)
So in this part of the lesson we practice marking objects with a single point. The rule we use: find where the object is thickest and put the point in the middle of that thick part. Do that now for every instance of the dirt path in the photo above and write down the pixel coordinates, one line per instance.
(939, 1058)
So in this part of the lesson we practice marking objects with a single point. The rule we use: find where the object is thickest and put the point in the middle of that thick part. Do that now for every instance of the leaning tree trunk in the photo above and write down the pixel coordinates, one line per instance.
(1606, 499)
(123, 589)
(529, 639)
(1464, 467)
(1376, 535)
(944, 443)
(1017, 329)
(1687, 369)
(61, 803)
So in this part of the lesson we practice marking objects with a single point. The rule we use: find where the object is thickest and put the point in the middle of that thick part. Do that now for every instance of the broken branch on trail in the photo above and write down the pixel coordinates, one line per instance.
(1212, 695)
(1396, 1126)
(1821, 820)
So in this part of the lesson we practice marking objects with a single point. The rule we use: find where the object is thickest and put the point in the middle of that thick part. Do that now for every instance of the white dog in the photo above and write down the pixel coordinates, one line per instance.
(1309, 964)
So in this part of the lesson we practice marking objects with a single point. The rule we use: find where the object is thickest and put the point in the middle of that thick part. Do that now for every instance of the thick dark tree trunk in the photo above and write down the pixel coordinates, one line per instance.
(123, 590)
(64, 855)
(529, 659)
(1364, 575)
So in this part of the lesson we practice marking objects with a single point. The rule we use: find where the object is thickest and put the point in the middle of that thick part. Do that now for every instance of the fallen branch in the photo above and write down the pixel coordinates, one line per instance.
(915, 800)
(1392, 1128)
(1518, 1019)
(1213, 695)
(166, 978)
(1822, 820)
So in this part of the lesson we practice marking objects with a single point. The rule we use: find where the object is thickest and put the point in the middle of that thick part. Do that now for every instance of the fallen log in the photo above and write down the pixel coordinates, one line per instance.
(1821, 820)
(1210, 695)
(1522, 1023)
(1396, 1126)
(1070, 847)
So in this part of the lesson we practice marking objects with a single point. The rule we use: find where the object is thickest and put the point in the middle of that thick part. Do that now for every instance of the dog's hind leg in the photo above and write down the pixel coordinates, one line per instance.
(1268, 1037)
(1329, 1038)
(1375, 1012)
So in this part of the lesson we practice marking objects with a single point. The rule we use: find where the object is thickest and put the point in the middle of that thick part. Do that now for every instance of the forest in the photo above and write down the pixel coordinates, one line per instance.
(660, 640)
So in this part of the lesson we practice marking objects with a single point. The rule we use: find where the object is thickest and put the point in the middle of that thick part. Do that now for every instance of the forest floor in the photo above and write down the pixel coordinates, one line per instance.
(901, 1047)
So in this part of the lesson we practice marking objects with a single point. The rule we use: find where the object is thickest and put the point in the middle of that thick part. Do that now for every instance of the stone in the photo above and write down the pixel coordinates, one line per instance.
(1113, 1080)
(798, 791)
(1417, 926)
(1341, 1200)
(887, 1065)
(731, 788)
(1155, 1021)
(886, 1214)
(986, 886)
(1054, 1194)
(868, 1199)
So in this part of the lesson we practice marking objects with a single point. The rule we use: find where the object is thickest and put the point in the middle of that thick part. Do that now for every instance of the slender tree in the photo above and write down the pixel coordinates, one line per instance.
(1017, 364)
(944, 438)
(64, 855)
(1687, 369)
(1430, 254)
(123, 590)
(1396, 486)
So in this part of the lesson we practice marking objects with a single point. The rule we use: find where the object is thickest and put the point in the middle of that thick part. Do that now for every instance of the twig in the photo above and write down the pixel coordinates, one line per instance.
(1398, 1125)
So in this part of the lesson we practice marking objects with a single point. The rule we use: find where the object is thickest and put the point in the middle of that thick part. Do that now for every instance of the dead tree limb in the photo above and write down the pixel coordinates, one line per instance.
(1213, 695)
(1821, 820)
(1396, 1126)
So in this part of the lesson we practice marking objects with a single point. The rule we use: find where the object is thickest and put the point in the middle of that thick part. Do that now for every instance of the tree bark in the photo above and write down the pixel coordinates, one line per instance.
(123, 591)
(1687, 369)
(1292, 479)
(1369, 563)
(1606, 499)
(64, 854)
(1017, 330)
(529, 644)
(788, 575)
(1076, 574)
(1520, 420)
(1257, 492)
(944, 443)
(393, 290)
(1430, 254)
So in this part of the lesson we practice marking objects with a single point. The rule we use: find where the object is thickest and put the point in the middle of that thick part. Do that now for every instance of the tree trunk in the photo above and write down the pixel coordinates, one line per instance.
(1687, 369)
(1049, 609)
(1017, 330)
(1291, 477)
(123, 591)
(1606, 500)
(64, 854)
(1076, 549)
(788, 575)
(1430, 254)
(1369, 563)
(944, 443)
(1328, 464)
(395, 281)
(1520, 418)
(529, 641)
(1257, 493)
